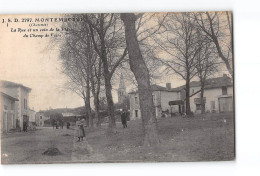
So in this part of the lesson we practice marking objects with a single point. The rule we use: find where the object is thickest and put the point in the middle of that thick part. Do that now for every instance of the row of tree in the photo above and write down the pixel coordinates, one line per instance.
(188, 44)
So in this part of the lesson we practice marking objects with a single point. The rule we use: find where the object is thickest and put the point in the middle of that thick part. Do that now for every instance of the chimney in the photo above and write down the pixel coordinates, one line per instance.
(168, 86)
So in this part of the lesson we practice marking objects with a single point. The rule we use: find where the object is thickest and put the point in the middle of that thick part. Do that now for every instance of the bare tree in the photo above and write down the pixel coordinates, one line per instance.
(78, 60)
(140, 70)
(106, 32)
(217, 26)
(180, 45)
(207, 64)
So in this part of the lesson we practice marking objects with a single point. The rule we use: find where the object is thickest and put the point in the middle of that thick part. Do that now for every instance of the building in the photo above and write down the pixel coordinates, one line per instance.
(8, 112)
(218, 97)
(40, 118)
(20, 92)
(161, 97)
(121, 91)
(32, 115)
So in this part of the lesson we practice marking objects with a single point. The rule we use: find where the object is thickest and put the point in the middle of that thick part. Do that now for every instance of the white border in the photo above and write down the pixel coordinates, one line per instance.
(247, 86)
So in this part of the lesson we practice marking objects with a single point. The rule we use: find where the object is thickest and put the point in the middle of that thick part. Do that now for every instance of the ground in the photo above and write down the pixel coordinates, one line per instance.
(202, 138)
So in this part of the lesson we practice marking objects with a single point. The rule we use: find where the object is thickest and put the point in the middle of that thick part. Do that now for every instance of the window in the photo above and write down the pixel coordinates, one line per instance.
(153, 98)
(224, 90)
(212, 104)
(25, 104)
(5, 107)
(198, 106)
(136, 113)
(192, 91)
(40, 117)
(136, 100)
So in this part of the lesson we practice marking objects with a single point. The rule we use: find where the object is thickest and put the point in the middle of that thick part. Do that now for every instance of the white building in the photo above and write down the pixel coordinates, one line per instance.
(40, 118)
(32, 115)
(8, 112)
(218, 97)
(21, 93)
(161, 97)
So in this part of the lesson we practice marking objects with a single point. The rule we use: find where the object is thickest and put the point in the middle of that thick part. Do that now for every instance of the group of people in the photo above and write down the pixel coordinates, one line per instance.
(60, 124)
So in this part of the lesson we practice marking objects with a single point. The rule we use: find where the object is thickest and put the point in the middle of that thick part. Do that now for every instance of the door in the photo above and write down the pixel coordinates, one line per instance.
(225, 104)
(4, 122)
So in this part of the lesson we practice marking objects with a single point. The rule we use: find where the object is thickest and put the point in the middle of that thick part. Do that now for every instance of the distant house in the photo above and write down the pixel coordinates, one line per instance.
(218, 97)
(32, 115)
(40, 118)
(20, 92)
(8, 112)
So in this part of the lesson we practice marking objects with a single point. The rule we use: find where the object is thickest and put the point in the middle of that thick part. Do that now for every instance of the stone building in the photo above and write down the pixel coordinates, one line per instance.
(21, 93)
(8, 112)
(40, 118)
(218, 97)
(161, 97)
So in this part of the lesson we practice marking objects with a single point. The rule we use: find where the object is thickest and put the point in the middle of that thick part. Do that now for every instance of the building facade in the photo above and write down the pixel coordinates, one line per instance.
(8, 112)
(218, 97)
(32, 115)
(21, 107)
(40, 118)
(161, 97)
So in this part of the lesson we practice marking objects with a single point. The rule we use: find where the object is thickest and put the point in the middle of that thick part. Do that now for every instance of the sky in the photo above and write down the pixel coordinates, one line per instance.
(32, 62)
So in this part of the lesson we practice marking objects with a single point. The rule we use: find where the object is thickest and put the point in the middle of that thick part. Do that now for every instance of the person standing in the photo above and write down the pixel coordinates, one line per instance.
(80, 133)
(123, 119)
(24, 126)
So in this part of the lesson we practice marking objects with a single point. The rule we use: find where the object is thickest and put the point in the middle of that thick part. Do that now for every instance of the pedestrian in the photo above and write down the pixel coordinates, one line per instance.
(68, 125)
(61, 124)
(57, 124)
(53, 123)
(25, 126)
(124, 118)
(80, 133)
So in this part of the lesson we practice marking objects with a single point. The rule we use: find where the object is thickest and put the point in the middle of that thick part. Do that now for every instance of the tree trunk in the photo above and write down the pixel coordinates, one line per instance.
(107, 77)
(96, 102)
(88, 108)
(201, 99)
(188, 111)
(140, 70)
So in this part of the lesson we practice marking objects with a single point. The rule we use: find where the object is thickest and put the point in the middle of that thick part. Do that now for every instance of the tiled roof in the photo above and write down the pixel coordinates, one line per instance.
(154, 87)
(210, 83)
(12, 84)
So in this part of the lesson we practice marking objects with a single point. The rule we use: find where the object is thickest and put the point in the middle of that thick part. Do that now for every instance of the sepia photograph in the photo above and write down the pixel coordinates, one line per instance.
(117, 87)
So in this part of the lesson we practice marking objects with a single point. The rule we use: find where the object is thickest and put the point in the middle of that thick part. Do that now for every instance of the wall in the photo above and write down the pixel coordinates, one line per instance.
(24, 111)
(211, 95)
(161, 102)
(7, 114)
(134, 106)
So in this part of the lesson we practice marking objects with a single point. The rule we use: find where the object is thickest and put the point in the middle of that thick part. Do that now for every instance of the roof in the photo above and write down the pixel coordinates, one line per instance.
(210, 83)
(67, 114)
(154, 87)
(12, 84)
(8, 96)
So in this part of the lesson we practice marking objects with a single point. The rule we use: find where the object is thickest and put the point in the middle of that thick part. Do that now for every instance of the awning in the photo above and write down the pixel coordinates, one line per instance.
(176, 102)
